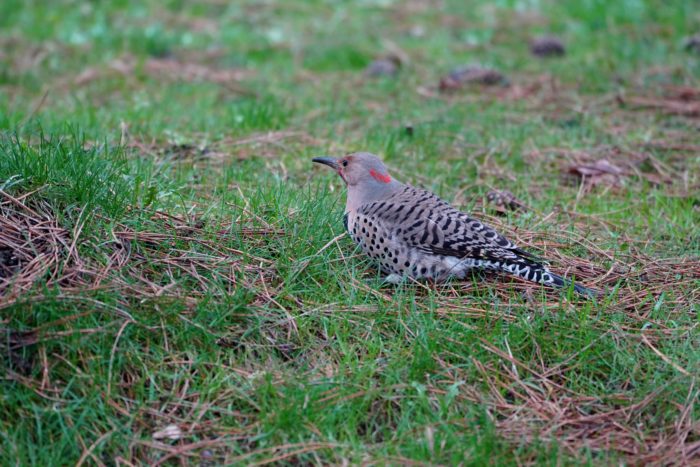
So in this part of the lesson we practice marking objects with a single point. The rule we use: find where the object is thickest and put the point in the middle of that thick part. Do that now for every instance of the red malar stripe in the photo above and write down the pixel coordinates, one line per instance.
(384, 178)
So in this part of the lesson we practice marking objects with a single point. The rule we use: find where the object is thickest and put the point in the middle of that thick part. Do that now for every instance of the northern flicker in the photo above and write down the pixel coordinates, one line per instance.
(411, 232)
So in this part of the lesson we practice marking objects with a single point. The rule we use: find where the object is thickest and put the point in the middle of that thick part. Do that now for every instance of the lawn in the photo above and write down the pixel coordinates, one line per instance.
(176, 286)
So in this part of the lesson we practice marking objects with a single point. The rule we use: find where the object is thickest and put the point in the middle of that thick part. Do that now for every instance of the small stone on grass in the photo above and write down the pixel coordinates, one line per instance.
(547, 46)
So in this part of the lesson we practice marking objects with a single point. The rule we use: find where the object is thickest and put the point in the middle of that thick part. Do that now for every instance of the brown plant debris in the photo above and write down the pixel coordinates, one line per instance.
(263, 144)
(387, 66)
(683, 93)
(32, 247)
(537, 408)
(544, 93)
(692, 44)
(472, 74)
(547, 46)
(173, 69)
(504, 201)
(168, 69)
(608, 166)
(175, 257)
(12, 344)
(600, 172)
(678, 100)
(177, 252)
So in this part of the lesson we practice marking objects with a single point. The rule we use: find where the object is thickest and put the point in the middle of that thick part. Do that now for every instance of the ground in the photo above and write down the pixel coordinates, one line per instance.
(175, 282)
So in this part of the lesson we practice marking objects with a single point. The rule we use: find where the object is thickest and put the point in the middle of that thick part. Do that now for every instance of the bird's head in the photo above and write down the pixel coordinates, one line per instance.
(360, 169)
(365, 175)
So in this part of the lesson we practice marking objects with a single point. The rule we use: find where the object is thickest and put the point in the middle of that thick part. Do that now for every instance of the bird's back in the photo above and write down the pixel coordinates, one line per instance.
(414, 232)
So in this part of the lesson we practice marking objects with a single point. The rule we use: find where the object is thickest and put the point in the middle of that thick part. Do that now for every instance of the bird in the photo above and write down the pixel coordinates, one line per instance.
(412, 233)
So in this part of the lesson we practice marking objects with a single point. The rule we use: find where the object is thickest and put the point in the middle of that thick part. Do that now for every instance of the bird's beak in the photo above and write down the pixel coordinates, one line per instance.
(329, 161)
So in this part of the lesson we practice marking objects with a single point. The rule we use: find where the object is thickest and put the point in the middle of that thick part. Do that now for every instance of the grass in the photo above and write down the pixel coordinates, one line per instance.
(169, 257)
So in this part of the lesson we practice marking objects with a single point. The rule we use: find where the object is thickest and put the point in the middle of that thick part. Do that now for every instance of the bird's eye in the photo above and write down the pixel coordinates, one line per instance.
(344, 162)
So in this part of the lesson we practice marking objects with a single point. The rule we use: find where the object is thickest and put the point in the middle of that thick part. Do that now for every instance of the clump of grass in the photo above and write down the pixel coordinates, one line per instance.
(67, 173)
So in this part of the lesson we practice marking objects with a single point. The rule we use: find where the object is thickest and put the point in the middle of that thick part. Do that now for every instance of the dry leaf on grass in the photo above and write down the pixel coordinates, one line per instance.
(503, 201)
(692, 44)
(388, 66)
(683, 93)
(472, 74)
(608, 166)
(600, 172)
(172, 432)
(547, 46)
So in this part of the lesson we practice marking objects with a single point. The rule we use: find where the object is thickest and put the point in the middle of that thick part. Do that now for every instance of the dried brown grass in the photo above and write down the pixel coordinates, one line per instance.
(677, 100)
(33, 247)
(538, 409)
(166, 69)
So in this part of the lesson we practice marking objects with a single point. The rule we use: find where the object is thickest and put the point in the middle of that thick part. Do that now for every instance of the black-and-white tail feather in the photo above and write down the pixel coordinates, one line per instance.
(533, 270)
(563, 283)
